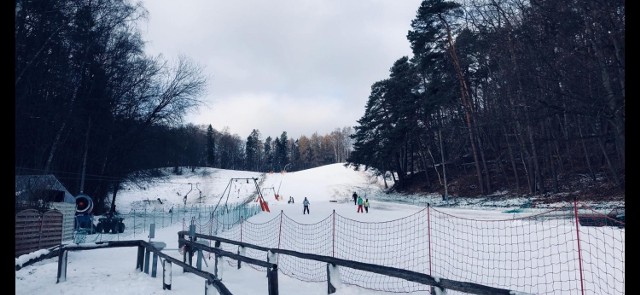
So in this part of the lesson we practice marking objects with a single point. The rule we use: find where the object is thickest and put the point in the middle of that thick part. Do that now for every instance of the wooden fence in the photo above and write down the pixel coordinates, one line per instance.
(68, 220)
(438, 285)
(35, 230)
(213, 283)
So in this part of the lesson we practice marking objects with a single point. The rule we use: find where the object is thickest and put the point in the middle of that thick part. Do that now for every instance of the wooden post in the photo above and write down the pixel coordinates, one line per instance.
(437, 290)
(199, 260)
(220, 267)
(215, 267)
(146, 261)
(154, 265)
(330, 287)
(209, 288)
(166, 275)
(272, 279)
(140, 260)
(239, 247)
(184, 256)
(192, 237)
(62, 266)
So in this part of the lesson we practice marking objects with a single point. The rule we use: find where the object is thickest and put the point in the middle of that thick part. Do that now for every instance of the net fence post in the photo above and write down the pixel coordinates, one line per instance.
(575, 210)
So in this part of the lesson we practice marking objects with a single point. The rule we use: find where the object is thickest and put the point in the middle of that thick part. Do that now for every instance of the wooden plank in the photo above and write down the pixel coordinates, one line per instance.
(27, 231)
(35, 231)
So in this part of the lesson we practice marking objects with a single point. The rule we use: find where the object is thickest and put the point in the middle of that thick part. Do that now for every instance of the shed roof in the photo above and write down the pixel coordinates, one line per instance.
(27, 185)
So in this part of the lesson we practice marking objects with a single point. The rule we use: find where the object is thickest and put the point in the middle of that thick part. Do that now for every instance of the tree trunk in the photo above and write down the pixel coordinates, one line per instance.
(444, 171)
(423, 160)
(487, 177)
(586, 154)
(537, 181)
(512, 159)
(615, 104)
(116, 186)
(434, 166)
(466, 104)
(57, 139)
(614, 175)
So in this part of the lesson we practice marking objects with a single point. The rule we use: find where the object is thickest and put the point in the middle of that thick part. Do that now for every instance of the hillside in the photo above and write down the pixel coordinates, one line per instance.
(465, 186)
(336, 183)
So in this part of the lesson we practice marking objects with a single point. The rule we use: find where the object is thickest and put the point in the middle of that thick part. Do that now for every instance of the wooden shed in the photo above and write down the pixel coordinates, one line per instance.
(43, 193)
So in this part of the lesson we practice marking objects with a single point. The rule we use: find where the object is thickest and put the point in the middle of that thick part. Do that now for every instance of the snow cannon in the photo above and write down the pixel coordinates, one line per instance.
(84, 216)
(84, 204)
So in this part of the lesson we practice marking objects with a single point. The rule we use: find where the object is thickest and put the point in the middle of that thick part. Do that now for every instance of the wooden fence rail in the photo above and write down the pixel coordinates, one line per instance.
(441, 284)
(35, 230)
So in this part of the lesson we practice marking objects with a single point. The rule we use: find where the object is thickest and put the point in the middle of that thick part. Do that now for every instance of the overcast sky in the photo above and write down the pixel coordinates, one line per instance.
(300, 66)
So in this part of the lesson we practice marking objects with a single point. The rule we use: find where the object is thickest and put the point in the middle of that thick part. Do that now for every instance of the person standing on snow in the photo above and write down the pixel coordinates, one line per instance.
(360, 202)
(355, 198)
(366, 205)
(305, 203)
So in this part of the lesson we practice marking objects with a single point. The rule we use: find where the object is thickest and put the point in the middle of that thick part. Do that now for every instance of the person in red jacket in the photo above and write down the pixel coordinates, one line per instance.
(360, 205)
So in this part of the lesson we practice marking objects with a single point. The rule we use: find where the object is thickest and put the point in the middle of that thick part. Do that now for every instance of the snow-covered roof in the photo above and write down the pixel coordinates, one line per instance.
(26, 185)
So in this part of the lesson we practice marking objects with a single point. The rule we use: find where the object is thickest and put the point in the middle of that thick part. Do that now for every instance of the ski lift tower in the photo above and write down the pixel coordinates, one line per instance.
(227, 192)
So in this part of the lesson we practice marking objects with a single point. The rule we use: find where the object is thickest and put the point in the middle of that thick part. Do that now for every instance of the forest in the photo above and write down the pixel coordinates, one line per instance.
(522, 96)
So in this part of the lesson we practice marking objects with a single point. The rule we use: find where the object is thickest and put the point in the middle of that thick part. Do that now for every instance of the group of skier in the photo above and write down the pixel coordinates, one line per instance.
(362, 203)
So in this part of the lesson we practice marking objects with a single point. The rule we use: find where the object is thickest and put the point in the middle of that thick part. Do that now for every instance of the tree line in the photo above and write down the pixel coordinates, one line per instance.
(94, 110)
(191, 146)
(519, 94)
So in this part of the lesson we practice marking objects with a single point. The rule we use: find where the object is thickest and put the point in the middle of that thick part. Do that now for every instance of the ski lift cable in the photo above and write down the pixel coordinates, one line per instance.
(226, 190)
(285, 170)
(190, 189)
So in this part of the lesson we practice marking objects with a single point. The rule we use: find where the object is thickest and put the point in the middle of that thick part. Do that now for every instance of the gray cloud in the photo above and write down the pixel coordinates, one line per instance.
(283, 65)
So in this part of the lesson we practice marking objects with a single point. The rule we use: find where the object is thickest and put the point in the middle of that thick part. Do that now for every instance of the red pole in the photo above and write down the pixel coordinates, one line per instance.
(575, 210)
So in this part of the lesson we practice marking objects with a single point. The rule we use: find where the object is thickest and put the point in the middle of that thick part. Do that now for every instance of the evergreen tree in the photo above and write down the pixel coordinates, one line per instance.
(282, 151)
(252, 151)
(211, 147)
(268, 155)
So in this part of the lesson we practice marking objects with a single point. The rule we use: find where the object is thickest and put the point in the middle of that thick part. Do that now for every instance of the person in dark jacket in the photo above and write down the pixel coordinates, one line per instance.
(305, 203)
(355, 198)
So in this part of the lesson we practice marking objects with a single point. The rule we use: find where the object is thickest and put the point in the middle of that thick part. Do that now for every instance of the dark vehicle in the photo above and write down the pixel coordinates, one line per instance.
(110, 224)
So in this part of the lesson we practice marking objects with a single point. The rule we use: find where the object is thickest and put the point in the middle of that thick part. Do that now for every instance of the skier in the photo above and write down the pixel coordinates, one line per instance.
(360, 201)
(305, 203)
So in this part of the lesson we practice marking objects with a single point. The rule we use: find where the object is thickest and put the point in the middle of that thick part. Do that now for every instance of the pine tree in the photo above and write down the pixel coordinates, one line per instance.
(211, 147)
